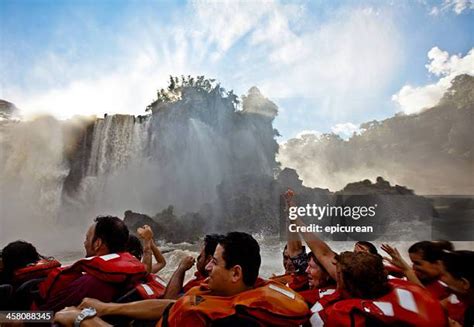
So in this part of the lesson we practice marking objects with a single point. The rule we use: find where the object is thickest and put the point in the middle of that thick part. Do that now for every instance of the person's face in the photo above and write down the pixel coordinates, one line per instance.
(202, 262)
(317, 277)
(221, 280)
(460, 287)
(90, 245)
(287, 263)
(424, 270)
(360, 248)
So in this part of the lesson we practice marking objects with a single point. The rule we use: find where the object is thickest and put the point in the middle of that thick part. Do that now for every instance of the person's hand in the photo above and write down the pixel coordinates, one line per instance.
(395, 257)
(99, 306)
(67, 316)
(145, 232)
(453, 323)
(187, 262)
(289, 198)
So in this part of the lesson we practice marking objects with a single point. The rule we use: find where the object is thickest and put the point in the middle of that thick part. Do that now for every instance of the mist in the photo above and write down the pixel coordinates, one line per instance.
(431, 152)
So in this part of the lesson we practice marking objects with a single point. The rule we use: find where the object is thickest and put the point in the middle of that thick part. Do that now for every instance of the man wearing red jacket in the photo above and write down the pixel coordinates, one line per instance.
(233, 296)
(366, 297)
(106, 272)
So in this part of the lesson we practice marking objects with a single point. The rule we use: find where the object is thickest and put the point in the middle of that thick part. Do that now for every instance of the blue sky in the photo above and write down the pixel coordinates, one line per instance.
(329, 65)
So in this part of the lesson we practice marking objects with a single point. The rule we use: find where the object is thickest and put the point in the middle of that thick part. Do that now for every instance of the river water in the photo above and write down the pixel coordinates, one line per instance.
(270, 250)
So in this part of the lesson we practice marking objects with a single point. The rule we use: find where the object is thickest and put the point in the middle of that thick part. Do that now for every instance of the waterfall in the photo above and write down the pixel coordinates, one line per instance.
(62, 174)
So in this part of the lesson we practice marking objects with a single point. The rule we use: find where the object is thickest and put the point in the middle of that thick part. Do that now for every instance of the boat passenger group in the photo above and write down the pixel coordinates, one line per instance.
(117, 284)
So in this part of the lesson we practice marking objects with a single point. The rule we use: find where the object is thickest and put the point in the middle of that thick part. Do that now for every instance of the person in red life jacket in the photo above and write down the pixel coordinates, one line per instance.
(153, 286)
(320, 283)
(458, 274)
(426, 265)
(22, 262)
(295, 259)
(106, 272)
(175, 286)
(321, 249)
(368, 298)
(150, 250)
(233, 295)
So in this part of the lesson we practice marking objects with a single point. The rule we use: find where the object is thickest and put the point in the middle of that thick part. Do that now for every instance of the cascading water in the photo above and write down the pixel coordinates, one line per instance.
(32, 171)
(61, 175)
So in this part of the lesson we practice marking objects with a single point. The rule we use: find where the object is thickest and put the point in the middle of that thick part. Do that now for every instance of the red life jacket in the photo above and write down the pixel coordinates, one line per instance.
(456, 309)
(39, 269)
(198, 279)
(438, 289)
(314, 295)
(393, 270)
(270, 304)
(113, 268)
(406, 304)
(297, 282)
(152, 288)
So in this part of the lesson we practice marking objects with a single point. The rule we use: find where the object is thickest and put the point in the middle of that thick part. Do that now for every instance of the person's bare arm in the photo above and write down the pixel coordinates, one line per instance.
(150, 249)
(175, 285)
(160, 259)
(68, 315)
(294, 245)
(397, 260)
(320, 249)
(147, 256)
(144, 310)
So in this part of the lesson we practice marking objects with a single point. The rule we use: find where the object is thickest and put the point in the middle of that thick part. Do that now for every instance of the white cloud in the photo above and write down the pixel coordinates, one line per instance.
(457, 6)
(336, 64)
(279, 47)
(345, 130)
(412, 99)
(307, 132)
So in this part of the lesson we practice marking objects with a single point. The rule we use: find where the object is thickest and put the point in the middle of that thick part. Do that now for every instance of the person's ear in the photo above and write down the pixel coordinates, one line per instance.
(237, 273)
(97, 243)
(465, 284)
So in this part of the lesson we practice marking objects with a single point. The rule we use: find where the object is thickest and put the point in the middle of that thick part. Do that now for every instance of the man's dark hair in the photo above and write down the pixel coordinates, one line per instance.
(18, 254)
(135, 247)
(113, 232)
(210, 243)
(457, 264)
(431, 251)
(364, 274)
(243, 250)
(372, 249)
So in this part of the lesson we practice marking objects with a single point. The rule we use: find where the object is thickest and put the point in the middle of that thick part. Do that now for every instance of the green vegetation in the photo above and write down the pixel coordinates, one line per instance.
(177, 85)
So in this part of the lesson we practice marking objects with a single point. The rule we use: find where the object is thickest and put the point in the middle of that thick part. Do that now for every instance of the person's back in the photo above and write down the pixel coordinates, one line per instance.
(106, 273)
(406, 304)
(367, 297)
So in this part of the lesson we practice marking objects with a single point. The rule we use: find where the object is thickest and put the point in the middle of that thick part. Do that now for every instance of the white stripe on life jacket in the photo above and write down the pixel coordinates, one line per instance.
(161, 281)
(317, 307)
(453, 299)
(406, 300)
(326, 292)
(282, 291)
(110, 256)
(316, 320)
(147, 289)
(385, 307)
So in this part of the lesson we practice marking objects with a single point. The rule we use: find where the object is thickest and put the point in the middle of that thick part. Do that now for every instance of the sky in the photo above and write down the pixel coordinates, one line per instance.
(328, 65)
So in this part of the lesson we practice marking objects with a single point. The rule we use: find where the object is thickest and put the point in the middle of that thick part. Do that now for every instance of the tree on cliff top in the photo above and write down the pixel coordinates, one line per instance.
(176, 86)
